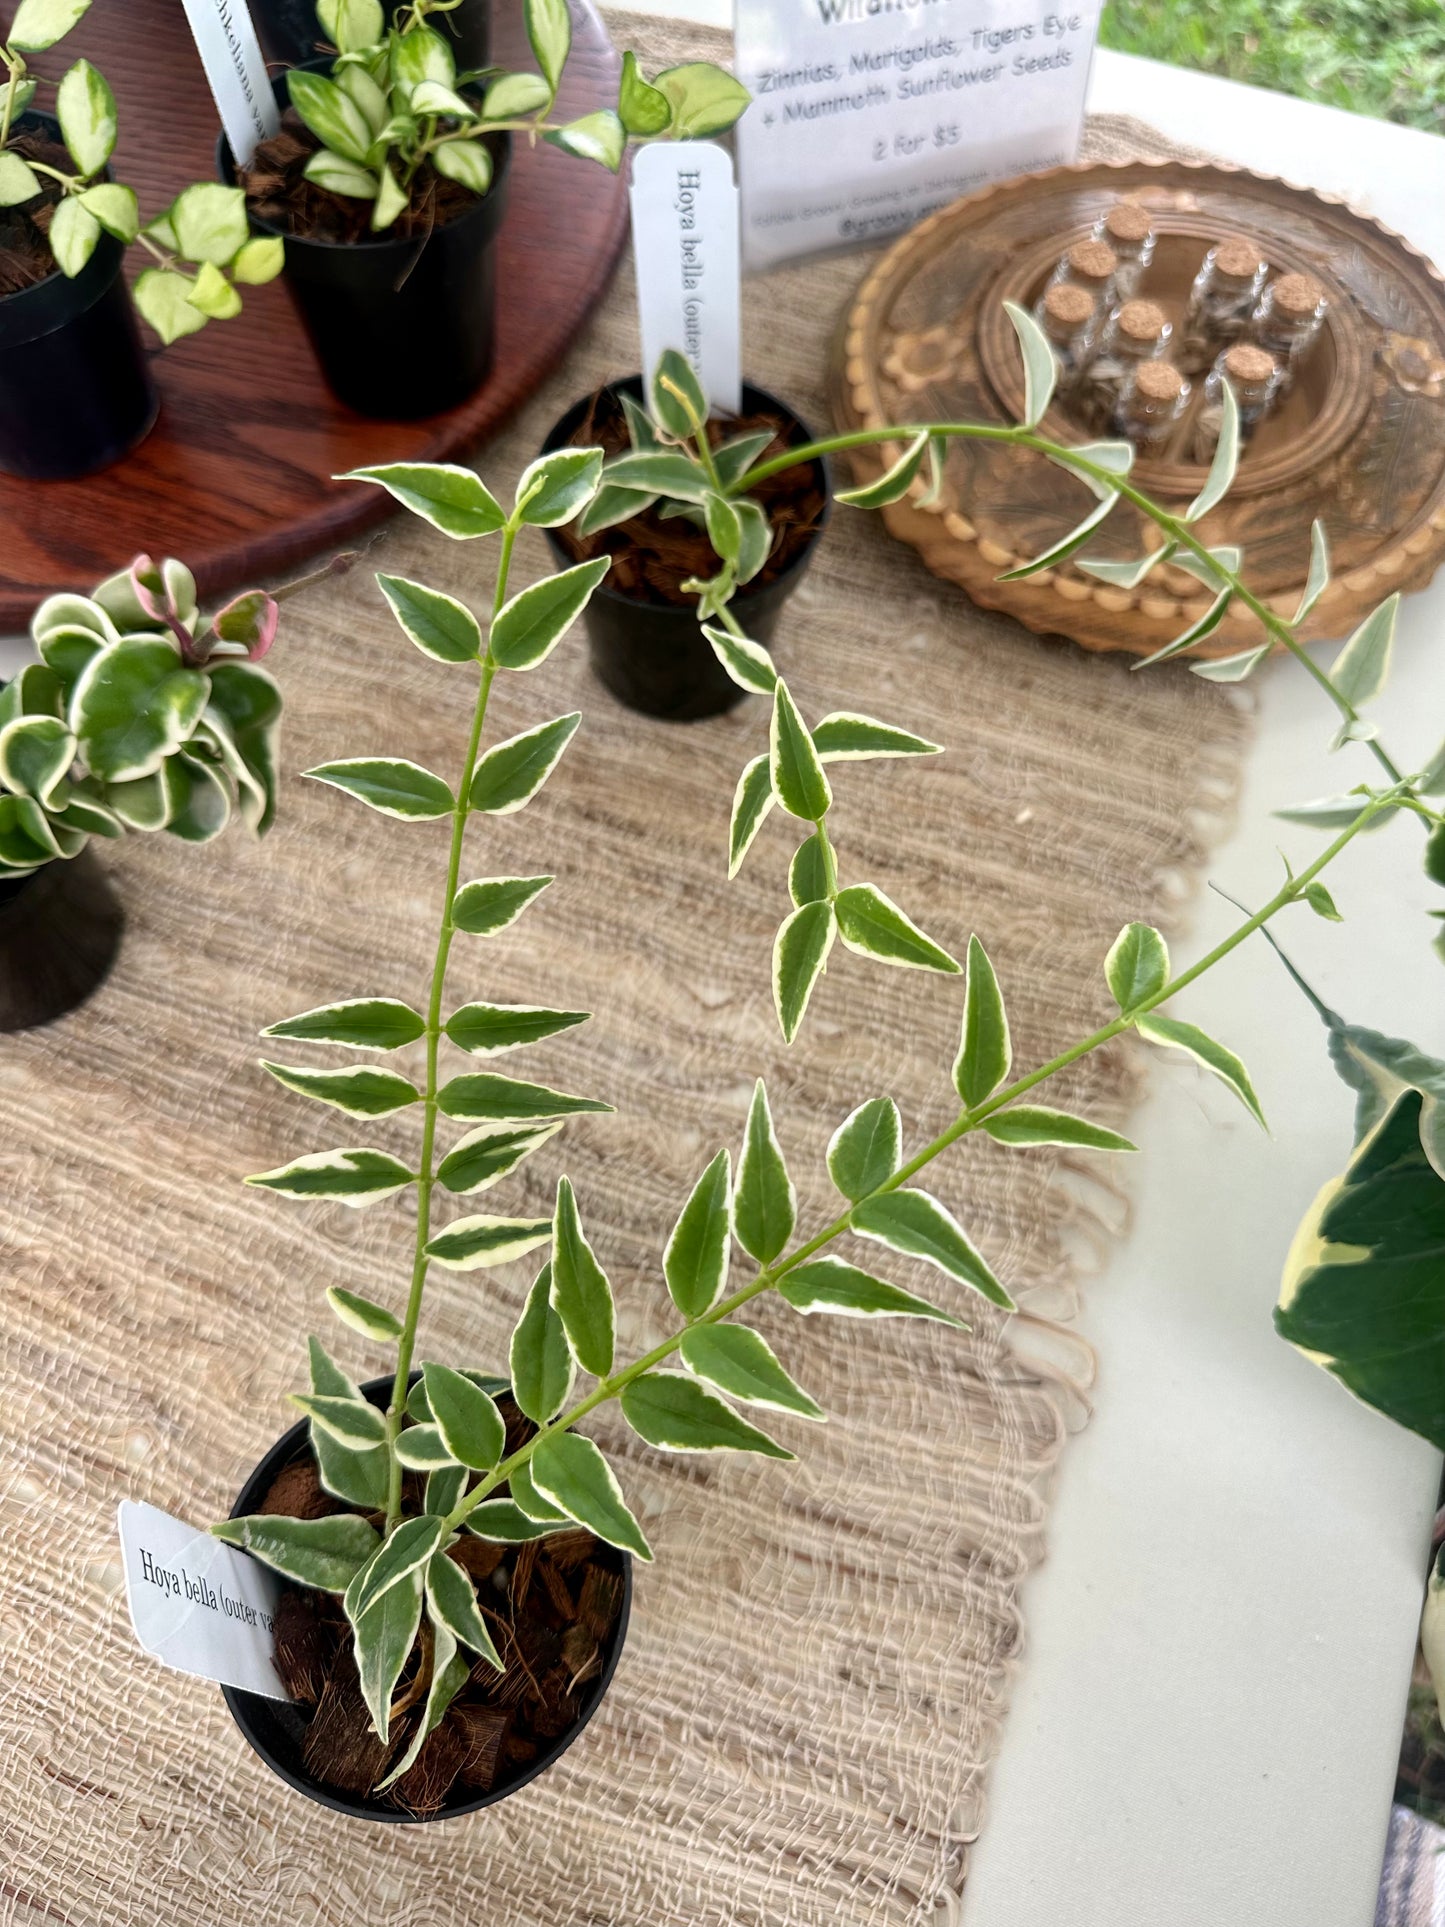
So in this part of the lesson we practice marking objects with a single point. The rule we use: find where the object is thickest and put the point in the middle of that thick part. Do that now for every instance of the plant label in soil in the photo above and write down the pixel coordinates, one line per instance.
(869, 114)
(685, 237)
(198, 1605)
(236, 71)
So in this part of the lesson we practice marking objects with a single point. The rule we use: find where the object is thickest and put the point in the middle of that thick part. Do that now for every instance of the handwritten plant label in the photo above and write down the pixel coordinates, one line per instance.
(685, 237)
(869, 114)
(198, 1605)
(236, 73)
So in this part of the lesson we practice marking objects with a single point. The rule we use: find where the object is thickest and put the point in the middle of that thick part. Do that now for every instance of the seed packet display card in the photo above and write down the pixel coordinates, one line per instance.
(869, 114)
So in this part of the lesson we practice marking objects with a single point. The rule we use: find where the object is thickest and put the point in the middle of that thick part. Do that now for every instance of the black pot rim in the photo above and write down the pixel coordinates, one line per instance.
(286, 1448)
(500, 144)
(753, 398)
(28, 314)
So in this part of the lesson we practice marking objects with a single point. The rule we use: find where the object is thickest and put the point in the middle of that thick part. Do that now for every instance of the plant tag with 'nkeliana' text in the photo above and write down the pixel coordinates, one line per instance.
(685, 236)
(236, 72)
(199, 1605)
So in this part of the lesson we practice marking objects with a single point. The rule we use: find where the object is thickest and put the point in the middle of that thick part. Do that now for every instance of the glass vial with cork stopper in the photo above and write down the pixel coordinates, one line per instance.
(1090, 265)
(1151, 405)
(1069, 318)
(1128, 228)
(1135, 332)
(1255, 376)
(1221, 302)
(1288, 316)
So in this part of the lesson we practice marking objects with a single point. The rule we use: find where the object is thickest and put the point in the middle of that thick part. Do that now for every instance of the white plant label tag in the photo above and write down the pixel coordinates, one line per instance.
(869, 114)
(198, 1605)
(685, 239)
(236, 72)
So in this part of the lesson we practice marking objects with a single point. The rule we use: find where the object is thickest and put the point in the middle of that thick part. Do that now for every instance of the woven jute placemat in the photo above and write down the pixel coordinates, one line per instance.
(817, 1667)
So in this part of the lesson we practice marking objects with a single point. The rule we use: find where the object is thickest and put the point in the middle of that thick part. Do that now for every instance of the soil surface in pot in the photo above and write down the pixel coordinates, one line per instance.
(25, 256)
(654, 555)
(278, 191)
(550, 1605)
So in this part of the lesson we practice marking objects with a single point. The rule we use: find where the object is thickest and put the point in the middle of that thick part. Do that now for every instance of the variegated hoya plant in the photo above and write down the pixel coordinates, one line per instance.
(141, 714)
(683, 1394)
(201, 246)
(394, 102)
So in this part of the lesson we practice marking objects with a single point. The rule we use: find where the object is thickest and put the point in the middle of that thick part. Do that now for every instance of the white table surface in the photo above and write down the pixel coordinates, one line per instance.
(1205, 1725)
(1204, 1730)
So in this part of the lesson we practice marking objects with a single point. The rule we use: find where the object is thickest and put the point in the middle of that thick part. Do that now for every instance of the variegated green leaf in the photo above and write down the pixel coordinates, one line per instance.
(800, 956)
(580, 1291)
(1220, 478)
(484, 1030)
(748, 663)
(829, 1285)
(872, 925)
(695, 1262)
(389, 784)
(421, 1449)
(353, 1421)
(529, 1501)
(752, 801)
(449, 1674)
(1137, 966)
(361, 1315)
(741, 1362)
(797, 774)
(504, 1522)
(985, 1049)
(1318, 579)
(1068, 545)
(452, 1601)
(673, 1412)
(895, 481)
(917, 1225)
(867, 1148)
(1041, 370)
(493, 903)
(1203, 1048)
(1359, 672)
(360, 1090)
(572, 1473)
(765, 1205)
(439, 625)
(476, 1244)
(483, 1156)
(845, 737)
(452, 499)
(399, 1558)
(512, 772)
(324, 1553)
(540, 1358)
(529, 626)
(471, 1427)
(487, 1094)
(364, 1023)
(1204, 626)
(356, 1177)
(1035, 1124)
(385, 1634)
(358, 1474)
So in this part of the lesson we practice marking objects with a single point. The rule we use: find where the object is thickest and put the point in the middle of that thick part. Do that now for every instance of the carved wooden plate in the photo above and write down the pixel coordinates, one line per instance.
(235, 478)
(1358, 442)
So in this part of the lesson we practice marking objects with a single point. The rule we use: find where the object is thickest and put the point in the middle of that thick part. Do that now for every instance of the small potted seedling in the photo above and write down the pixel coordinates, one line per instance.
(140, 715)
(75, 392)
(696, 510)
(291, 33)
(388, 182)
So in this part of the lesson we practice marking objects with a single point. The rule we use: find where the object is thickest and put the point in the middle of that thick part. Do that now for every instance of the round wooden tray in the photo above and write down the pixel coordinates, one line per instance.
(236, 476)
(1359, 441)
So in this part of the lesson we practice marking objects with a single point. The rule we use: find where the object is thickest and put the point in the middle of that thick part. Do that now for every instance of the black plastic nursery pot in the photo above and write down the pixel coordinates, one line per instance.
(75, 390)
(290, 31)
(654, 657)
(276, 1728)
(60, 930)
(402, 326)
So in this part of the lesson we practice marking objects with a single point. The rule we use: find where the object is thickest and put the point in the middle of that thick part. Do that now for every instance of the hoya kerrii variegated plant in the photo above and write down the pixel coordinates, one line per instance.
(201, 246)
(141, 714)
(394, 104)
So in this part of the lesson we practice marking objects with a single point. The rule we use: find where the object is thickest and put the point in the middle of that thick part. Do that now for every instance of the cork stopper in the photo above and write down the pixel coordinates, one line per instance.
(1158, 381)
(1092, 263)
(1238, 260)
(1248, 364)
(1296, 295)
(1141, 321)
(1127, 221)
(1068, 307)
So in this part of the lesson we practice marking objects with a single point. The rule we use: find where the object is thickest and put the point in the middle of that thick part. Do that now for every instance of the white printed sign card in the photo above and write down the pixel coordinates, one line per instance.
(197, 1604)
(225, 37)
(685, 238)
(869, 114)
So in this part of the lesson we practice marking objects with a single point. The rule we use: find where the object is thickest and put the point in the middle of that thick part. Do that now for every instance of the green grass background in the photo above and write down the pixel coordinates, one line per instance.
(1380, 57)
